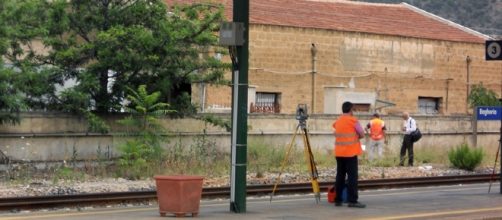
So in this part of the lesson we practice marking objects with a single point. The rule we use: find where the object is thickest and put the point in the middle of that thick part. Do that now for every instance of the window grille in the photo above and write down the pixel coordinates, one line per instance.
(266, 103)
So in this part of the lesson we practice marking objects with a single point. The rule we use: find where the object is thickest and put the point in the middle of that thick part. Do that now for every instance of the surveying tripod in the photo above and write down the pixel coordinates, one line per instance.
(301, 116)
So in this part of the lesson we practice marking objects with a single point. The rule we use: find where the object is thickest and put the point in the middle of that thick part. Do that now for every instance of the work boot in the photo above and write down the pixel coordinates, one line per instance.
(357, 205)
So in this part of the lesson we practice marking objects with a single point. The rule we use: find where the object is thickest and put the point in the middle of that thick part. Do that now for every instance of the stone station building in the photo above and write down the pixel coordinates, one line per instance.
(386, 58)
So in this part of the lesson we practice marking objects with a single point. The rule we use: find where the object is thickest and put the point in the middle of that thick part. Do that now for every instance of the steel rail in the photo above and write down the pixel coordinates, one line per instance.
(34, 202)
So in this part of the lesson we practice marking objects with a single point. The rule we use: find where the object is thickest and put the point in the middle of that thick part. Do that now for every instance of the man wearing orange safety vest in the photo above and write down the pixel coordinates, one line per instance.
(376, 129)
(348, 131)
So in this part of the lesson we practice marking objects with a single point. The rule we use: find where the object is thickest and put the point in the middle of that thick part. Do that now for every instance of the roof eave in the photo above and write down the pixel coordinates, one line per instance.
(448, 22)
(363, 32)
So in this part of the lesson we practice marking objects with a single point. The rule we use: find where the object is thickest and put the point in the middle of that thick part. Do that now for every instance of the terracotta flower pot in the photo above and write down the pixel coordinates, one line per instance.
(179, 195)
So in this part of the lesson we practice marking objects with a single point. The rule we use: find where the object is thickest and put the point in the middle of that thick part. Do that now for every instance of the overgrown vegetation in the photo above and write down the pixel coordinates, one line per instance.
(202, 157)
(482, 96)
(263, 157)
(431, 155)
(463, 157)
(144, 155)
(141, 153)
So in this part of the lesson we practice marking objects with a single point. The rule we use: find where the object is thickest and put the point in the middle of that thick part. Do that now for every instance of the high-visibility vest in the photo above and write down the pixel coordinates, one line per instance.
(346, 138)
(376, 129)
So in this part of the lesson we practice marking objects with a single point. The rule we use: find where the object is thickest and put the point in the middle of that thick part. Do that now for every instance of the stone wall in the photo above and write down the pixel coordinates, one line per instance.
(53, 136)
(391, 68)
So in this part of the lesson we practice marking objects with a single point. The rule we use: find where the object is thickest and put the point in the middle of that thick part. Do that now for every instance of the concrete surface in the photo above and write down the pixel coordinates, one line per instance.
(445, 202)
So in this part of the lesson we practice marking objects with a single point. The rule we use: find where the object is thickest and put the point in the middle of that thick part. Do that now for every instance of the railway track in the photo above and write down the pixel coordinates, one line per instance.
(37, 202)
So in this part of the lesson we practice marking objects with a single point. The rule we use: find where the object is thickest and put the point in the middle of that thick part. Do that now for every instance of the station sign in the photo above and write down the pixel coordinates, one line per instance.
(489, 113)
(493, 50)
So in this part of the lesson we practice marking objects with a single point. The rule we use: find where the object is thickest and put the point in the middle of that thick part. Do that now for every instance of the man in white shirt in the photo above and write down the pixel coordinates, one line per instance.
(409, 125)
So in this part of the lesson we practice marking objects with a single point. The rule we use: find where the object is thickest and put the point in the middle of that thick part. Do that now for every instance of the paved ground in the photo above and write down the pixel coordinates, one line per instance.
(447, 202)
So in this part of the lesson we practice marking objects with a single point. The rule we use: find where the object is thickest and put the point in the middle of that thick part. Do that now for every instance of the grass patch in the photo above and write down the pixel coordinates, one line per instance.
(263, 157)
(386, 161)
(431, 155)
(67, 173)
(202, 157)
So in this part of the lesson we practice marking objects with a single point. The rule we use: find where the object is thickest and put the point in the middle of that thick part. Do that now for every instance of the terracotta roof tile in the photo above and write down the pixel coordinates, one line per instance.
(388, 19)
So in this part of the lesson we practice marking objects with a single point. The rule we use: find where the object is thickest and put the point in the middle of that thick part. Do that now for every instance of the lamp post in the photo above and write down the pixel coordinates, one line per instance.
(239, 113)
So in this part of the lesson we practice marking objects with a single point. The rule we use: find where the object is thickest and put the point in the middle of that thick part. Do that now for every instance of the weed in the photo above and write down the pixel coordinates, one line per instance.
(201, 157)
(66, 173)
(101, 158)
(463, 157)
(74, 155)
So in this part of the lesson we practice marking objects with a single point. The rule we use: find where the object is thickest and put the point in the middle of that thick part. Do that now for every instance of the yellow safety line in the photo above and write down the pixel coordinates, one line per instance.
(435, 214)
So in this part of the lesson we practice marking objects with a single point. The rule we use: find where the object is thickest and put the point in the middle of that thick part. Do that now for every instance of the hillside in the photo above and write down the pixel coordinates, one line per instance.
(484, 16)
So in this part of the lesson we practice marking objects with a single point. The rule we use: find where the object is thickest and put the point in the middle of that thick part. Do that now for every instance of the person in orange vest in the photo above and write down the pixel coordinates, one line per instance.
(376, 129)
(348, 132)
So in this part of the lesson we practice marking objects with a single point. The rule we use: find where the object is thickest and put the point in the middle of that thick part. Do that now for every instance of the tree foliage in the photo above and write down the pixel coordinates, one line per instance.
(16, 90)
(92, 50)
(482, 96)
(145, 110)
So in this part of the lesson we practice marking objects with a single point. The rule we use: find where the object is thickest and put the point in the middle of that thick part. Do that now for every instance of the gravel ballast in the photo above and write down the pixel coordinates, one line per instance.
(41, 187)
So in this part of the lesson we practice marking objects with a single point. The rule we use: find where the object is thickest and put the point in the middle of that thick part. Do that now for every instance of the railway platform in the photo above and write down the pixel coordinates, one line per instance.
(470, 201)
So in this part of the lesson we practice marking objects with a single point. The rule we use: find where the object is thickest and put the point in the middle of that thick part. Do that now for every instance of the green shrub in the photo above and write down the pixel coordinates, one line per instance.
(133, 163)
(463, 157)
(143, 124)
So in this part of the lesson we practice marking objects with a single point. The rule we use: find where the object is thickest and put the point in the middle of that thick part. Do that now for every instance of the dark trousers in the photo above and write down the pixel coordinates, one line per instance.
(346, 166)
(407, 146)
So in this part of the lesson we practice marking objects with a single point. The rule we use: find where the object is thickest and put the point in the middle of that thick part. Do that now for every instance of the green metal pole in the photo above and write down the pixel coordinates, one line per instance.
(239, 113)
